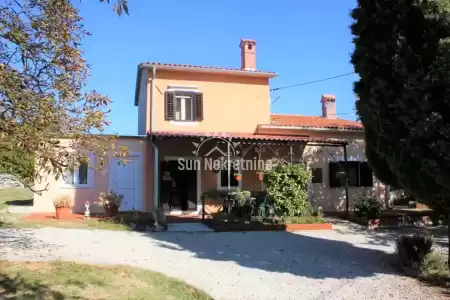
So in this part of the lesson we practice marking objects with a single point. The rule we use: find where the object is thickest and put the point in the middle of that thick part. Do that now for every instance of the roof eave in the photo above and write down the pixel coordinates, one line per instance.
(312, 128)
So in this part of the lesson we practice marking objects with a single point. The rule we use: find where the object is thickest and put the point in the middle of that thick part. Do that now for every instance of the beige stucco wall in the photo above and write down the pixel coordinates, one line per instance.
(230, 103)
(44, 202)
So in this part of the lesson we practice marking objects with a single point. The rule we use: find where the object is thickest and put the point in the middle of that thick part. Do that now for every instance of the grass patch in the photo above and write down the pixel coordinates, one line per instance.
(64, 280)
(15, 196)
(16, 221)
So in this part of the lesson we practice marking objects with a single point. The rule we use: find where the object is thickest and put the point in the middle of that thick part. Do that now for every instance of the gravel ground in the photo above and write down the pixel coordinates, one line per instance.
(339, 264)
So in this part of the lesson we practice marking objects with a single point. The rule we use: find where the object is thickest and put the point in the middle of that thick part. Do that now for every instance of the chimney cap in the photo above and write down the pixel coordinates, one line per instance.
(328, 98)
(247, 41)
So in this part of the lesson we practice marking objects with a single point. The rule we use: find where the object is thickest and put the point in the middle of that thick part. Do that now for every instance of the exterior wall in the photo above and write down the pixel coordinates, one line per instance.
(44, 202)
(230, 103)
(143, 104)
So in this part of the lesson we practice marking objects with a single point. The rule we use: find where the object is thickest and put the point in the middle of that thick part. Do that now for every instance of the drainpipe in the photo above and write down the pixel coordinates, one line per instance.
(155, 147)
(347, 210)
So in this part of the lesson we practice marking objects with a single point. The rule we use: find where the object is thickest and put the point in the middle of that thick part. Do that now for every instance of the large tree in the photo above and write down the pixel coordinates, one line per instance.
(42, 80)
(402, 55)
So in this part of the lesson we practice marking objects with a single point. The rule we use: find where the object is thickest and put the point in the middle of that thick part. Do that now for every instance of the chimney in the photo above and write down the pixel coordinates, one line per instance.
(248, 55)
(328, 106)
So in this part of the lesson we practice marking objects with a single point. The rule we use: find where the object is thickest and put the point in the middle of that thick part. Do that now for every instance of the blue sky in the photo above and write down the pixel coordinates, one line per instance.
(300, 40)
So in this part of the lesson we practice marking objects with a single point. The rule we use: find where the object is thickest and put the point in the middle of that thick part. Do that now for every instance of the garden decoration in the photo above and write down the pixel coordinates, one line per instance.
(87, 213)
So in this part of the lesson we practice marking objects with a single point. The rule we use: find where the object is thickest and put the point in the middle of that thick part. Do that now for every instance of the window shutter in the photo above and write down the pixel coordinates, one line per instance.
(168, 105)
(335, 180)
(365, 174)
(199, 107)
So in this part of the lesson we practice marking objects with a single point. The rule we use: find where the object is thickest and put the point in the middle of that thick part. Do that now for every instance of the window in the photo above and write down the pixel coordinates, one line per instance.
(79, 177)
(316, 175)
(359, 174)
(183, 105)
(222, 179)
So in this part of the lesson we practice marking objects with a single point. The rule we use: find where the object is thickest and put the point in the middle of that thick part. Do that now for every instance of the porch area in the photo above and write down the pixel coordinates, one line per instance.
(197, 171)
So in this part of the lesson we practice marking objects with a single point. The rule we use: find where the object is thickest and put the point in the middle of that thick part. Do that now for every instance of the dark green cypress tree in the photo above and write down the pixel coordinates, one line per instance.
(402, 55)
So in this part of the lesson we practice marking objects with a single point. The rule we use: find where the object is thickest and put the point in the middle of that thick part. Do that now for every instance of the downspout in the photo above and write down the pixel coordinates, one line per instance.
(347, 210)
(155, 147)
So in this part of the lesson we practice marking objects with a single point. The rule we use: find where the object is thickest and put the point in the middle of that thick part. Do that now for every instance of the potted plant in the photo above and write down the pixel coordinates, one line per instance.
(110, 202)
(370, 209)
(238, 176)
(63, 206)
(260, 175)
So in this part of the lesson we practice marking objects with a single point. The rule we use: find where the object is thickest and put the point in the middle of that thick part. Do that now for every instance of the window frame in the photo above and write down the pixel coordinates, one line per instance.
(185, 97)
(187, 91)
(219, 180)
(75, 176)
(357, 165)
(317, 169)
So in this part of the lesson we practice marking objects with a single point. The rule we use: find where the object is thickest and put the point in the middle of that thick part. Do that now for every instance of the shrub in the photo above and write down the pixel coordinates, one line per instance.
(412, 249)
(62, 201)
(287, 188)
(434, 264)
(110, 200)
(368, 208)
(302, 219)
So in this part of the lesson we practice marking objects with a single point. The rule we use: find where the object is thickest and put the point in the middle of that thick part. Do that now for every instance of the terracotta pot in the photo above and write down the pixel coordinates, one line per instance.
(63, 212)
(238, 177)
(111, 211)
(374, 222)
(260, 177)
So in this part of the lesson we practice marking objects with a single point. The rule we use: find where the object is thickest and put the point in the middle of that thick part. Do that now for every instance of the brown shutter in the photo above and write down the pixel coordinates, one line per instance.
(199, 107)
(168, 106)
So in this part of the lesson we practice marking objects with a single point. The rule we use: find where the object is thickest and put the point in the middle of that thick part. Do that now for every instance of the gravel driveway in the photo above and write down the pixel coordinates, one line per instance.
(339, 264)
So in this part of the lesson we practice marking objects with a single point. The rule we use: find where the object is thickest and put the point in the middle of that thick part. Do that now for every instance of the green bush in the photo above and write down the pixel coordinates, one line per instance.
(434, 264)
(412, 249)
(287, 188)
(368, 208)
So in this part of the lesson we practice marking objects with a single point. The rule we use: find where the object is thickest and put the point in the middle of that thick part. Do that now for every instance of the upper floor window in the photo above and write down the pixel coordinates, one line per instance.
(181, 105)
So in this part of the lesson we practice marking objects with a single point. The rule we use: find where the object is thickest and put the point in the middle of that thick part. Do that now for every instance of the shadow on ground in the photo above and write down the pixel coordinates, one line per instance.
(282, 252)
(18, 288)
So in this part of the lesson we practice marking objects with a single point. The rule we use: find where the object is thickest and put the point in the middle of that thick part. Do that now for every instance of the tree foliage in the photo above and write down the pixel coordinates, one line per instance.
(287, 187)
(402, 55)
(42, 80)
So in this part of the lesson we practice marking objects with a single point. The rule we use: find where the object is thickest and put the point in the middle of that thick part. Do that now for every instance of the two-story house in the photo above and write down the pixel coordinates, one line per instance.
(203, 129)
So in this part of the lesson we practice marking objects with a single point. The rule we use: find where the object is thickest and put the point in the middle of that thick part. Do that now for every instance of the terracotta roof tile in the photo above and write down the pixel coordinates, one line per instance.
(208, 67)
(314, 121)
(245, 136)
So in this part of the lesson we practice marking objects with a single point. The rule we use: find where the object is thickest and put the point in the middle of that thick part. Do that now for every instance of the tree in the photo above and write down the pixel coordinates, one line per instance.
(402, 55)
(42, 78)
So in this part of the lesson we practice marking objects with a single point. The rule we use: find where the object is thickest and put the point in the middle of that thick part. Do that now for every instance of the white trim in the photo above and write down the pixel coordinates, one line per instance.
(199, 176)
(138, 185)
(185, 123)
(90, 176)
(183, 88)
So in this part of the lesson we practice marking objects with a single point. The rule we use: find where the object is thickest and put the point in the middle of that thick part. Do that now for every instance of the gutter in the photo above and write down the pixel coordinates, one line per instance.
(155, 147)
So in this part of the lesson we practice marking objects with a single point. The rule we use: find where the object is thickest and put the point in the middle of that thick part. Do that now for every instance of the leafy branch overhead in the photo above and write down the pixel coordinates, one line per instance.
(42, 79)
(120, 6)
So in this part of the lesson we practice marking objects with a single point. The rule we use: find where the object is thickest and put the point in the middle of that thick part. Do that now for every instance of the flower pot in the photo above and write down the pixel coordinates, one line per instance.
(111, 211)
(260, 177)
(63, 212)
(374, 223)
(238, 177)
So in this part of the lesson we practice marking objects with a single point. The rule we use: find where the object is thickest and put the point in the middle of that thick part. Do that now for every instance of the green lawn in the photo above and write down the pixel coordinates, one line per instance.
(16, 196)
(63, 280)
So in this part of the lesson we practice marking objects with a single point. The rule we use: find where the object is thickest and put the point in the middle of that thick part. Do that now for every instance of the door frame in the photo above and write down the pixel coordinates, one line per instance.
(138, 184)
(199, 176)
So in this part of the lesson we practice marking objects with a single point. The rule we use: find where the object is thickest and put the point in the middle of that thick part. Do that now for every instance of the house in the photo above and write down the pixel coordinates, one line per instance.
(199, 127)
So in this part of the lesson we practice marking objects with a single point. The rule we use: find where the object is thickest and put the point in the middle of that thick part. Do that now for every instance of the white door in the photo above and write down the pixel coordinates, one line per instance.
(124, 179)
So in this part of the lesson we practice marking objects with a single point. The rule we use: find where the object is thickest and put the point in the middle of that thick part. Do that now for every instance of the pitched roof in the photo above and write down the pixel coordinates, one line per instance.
(313, 122)
(246, 136)
(206, 68)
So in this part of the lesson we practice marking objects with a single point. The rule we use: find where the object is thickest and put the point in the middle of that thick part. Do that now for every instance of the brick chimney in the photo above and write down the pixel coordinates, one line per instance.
(248, 54)
(328, 106)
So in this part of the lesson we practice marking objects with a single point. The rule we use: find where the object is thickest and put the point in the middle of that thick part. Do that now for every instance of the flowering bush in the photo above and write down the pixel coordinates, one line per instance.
(62, 201)
(110, 200)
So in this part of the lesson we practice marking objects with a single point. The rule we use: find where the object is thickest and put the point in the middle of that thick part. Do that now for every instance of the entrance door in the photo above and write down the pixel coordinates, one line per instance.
(178, 187)
(124, 180)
